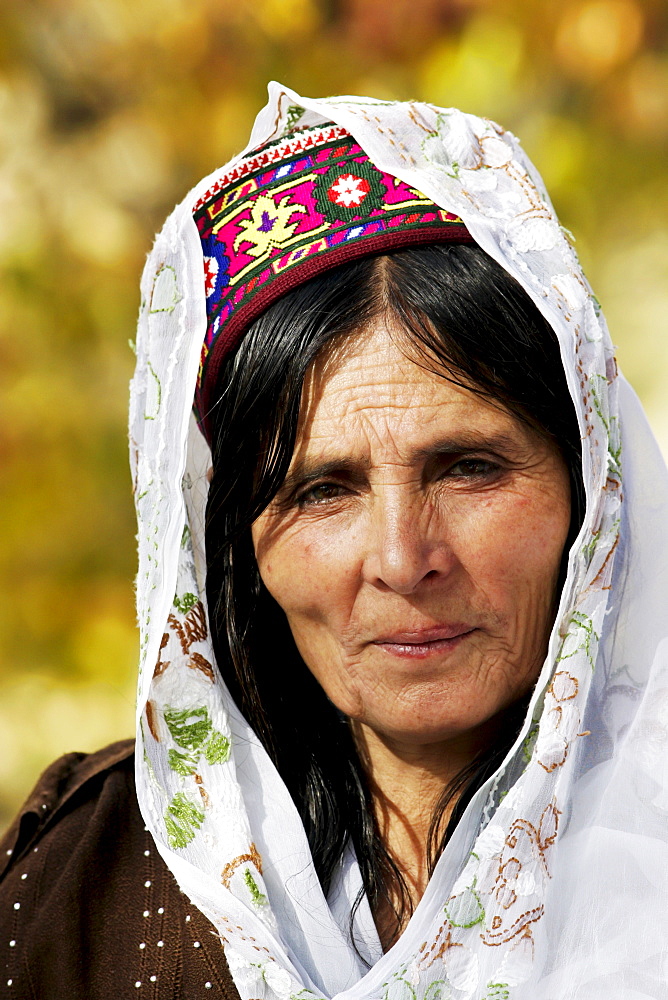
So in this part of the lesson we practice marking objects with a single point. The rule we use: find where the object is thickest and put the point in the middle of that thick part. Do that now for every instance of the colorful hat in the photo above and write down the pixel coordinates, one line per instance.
(288, 211)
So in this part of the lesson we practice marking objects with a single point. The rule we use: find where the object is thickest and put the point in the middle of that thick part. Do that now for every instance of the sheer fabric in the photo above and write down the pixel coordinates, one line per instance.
(555, 883)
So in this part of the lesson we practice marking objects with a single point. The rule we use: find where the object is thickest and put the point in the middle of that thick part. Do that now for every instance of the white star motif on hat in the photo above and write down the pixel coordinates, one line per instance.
(349, 190)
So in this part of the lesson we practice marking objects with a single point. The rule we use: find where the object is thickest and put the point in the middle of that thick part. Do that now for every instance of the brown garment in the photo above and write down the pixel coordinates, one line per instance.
(88, 908)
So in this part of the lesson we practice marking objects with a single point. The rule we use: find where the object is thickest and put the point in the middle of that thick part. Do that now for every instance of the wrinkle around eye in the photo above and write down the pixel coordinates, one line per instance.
(309, 498)
(486, 469)
(463, 472)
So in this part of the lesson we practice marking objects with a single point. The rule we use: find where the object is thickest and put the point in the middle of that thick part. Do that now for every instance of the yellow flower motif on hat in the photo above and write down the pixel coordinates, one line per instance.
(269, 225)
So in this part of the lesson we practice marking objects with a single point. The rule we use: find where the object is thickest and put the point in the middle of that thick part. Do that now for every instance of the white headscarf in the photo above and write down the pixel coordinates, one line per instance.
(555, 884)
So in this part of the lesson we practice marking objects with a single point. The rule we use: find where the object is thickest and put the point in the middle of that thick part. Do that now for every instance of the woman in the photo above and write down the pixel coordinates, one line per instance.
(401, 708)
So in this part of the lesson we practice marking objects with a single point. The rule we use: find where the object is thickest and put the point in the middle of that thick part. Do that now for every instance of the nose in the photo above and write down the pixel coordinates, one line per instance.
(407, 545)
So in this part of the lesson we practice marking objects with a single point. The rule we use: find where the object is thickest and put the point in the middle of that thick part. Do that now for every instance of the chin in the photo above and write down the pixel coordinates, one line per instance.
(424, 722)
(420, 728)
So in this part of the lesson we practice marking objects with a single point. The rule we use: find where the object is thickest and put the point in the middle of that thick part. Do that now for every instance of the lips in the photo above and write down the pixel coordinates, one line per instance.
(424, 642)
(422, 635)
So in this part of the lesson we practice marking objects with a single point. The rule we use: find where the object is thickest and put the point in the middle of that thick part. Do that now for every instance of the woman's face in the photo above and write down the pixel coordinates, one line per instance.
(415, 545)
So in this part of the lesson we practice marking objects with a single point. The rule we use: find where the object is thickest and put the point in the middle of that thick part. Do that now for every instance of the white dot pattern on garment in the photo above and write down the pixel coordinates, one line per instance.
(188, 919)
(146, 913)
(24, 876)
(138, 983)
(12, 943)
(153, 979)
(9, 852)
(9, 982)
(161, 909)
(147, 883)
(207, 986)
(146, 854)
(142, 946)
(161, 944)
(17, 906)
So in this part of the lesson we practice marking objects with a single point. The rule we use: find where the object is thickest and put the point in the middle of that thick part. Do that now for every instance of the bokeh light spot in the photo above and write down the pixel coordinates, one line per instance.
(593, 38)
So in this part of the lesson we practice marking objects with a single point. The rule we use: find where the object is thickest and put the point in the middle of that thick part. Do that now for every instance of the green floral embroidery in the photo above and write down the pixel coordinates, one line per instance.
(465, 909)
(192, 730)
(258, 897)
(140, 496)
(182, 820)
(188, 601)
(497, 991)
(217, 750)
(189, 727)
(435, 138)
(435, 990)
(293, 114)
(614, 449)
(585, 624)
(185, 538)
(165, 295)
(589, 547)
(612, 428)
(400, 989)
(158, 393)
(528, 744)
(184, 764)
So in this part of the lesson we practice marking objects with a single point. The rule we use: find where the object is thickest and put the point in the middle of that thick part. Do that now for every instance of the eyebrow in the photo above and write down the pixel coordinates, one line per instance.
(310, 470)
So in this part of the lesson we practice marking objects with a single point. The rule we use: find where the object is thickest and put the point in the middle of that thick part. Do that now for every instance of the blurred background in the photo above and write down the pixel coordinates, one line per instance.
(109, 111)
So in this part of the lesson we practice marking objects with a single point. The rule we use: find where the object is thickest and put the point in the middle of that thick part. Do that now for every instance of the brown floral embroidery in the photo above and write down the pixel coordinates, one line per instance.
(506, 880)
(524, 845)
(564, 688)
(228, 871)
(199, 662)
(152, 720)
(430, 952)
(192, 629)
(497, 934)
(199, 781)
(161, 665)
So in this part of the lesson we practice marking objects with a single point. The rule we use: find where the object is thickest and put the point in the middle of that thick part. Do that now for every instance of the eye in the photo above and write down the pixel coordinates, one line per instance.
(473, 468)
(321, 493)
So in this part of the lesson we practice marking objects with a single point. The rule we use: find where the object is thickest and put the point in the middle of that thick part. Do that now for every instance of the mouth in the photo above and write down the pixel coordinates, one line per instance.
(421, 643)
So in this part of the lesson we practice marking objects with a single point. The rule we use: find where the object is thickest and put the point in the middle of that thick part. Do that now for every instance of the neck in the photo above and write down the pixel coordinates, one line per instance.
(406, 781)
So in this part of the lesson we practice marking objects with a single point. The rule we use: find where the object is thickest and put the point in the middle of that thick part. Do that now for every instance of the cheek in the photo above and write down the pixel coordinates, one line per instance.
(518, 545)
(308, 571)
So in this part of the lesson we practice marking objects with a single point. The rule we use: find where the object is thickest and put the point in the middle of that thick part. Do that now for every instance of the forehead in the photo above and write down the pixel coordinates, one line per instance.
(368, 385)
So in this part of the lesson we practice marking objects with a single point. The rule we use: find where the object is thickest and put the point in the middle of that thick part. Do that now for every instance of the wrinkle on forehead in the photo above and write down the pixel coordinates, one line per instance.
(351, 364)
(370, 383)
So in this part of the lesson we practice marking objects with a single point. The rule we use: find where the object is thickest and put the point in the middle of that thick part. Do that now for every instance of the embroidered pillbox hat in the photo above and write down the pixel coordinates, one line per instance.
(288, 211)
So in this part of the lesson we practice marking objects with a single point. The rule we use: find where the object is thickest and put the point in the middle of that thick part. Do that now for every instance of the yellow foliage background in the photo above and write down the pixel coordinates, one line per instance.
(109, 111)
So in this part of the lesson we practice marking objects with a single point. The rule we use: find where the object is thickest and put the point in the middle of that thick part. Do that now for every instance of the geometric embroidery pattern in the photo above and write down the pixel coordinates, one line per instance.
(307, 202)
(347, 193)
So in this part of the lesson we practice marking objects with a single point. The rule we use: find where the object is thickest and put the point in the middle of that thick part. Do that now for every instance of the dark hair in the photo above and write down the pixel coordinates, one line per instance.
(467, 318)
